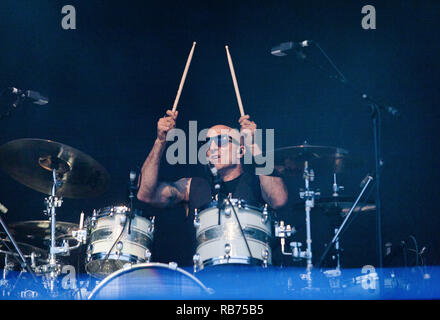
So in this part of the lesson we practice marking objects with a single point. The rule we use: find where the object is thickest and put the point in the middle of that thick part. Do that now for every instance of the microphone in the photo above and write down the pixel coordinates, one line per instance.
(214, 173)
(133, 175)
(34, 96)
(279, 50)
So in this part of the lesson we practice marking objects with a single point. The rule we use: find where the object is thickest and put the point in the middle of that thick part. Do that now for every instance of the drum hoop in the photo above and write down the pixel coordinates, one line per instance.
(221, 260)
(141, 266)
(107, 211)
(244, 204)
(99, 256)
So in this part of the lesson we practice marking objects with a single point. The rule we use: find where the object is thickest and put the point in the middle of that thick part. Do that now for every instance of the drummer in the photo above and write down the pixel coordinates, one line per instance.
(226, 149)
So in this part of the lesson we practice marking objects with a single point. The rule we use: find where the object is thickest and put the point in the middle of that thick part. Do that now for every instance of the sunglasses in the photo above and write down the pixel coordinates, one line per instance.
(222, 140)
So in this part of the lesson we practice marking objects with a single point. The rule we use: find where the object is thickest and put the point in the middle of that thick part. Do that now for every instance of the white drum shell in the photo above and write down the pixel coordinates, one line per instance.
(130, 248)
(224, 243)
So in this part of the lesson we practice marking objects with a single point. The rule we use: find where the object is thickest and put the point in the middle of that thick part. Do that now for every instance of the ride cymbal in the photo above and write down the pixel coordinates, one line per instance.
(290, 161)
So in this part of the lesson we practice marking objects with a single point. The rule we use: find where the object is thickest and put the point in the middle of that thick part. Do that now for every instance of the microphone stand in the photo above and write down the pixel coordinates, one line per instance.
(20, 98)
(216, 180)
(376, 107)
(336, 237)
(132, 187)
(24, 264)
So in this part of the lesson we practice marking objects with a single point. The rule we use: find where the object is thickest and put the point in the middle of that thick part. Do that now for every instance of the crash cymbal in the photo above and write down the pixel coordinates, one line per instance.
(290, 161)
(39, 230)
(31, 161)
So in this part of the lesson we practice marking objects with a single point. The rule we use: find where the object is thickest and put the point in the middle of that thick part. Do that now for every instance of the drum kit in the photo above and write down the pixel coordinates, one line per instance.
(117, 240)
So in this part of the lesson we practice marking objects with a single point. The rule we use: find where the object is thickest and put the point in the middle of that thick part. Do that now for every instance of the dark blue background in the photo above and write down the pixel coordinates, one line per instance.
(112, 78)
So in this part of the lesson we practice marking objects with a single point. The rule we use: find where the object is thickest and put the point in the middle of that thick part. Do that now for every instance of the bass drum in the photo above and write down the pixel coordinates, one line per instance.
(150, 281)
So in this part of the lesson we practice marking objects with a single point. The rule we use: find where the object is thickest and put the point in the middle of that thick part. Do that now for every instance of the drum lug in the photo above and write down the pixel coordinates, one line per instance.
(119, 247)
(227, 251)
(89, 252)
(147, 255)
(122, 219)
(265, 214)
(265, 256)
(151, 229)
(196, 219)
(196, 261)
(173, 265)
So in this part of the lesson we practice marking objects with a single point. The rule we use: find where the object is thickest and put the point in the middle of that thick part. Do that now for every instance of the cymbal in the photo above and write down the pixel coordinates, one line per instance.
(40, 230)
(7, 247)
(290, 161)
(340, 205)
(31, 161)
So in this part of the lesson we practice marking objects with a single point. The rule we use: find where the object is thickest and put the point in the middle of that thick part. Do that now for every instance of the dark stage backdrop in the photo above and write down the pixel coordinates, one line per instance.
(111, 79)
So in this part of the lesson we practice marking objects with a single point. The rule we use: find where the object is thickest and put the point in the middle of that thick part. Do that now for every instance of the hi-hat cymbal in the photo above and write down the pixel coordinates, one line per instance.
(290, 161)
(31, 162)
(40, 230)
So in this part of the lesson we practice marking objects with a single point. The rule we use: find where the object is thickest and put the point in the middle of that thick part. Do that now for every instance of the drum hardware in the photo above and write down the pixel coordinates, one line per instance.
(81, 234)
(338, 250)
(131, 196)
(336, 187)
(283, 232)
(339, 230)
(196, 219)
(309, 196)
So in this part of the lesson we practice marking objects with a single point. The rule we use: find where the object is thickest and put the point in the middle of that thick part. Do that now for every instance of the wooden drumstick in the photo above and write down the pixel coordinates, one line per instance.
(234, 80)
(182, 81)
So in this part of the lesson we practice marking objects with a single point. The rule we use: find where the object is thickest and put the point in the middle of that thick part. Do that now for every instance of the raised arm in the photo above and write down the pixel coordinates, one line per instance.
(161, 194)
(273, 189)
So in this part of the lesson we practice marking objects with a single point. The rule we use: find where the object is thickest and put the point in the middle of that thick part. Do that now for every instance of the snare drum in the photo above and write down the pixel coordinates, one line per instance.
(224, 243)
(111, 245)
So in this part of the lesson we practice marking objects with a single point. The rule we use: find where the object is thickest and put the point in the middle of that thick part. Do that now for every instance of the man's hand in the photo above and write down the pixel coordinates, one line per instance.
(165, 124)
(247, 129)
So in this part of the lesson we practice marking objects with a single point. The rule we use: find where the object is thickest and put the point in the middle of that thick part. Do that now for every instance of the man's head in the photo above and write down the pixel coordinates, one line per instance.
(225, 147)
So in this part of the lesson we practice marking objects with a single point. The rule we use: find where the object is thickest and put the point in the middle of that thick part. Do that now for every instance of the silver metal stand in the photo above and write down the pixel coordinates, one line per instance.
(282, 231)
(336, 237)
(52, 269)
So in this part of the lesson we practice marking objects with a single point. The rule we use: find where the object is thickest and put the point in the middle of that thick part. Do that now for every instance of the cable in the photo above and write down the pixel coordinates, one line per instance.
(239, 225)
(116, 241)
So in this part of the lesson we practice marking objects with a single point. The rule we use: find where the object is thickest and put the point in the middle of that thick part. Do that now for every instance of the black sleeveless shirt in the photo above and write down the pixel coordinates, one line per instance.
(245, 187)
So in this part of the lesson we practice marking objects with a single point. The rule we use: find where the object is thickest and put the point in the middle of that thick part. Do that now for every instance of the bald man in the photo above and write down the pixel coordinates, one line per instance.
(225, 149)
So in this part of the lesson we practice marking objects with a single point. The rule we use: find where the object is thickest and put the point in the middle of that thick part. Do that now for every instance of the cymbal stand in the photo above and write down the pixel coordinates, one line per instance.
(53, 269)
(309, 196)
(283, 231)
